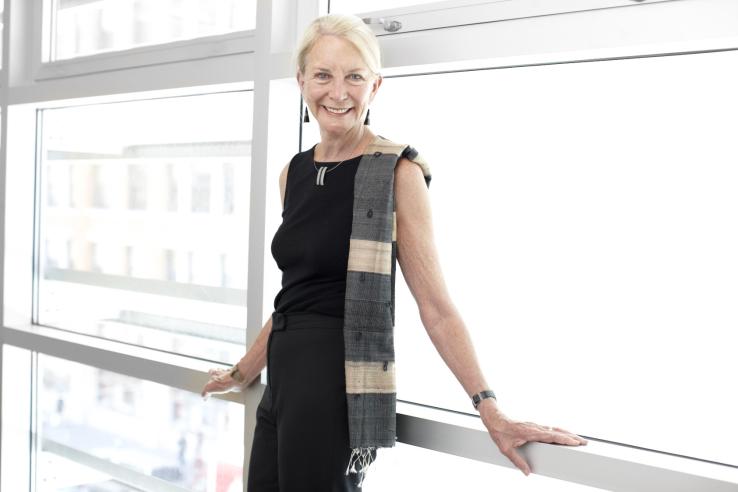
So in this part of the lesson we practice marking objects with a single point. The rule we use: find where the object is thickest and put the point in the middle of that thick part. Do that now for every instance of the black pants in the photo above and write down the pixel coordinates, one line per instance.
(301, 438)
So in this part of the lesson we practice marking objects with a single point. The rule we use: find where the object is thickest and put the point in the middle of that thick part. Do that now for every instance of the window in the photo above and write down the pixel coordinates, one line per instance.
(152, 267)
(99, 188)
(138, 428)
(408, 467)
(136, 187)
(228, 187)
(354, 7)
(2, 27)
(201, 192)
(86, 27)
(600, 203)
(387, 17)
(172, 188)
(587, 230)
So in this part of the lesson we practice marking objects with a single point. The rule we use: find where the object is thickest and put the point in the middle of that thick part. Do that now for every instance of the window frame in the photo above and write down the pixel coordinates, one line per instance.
(457, 13)
(28, 85)
(621, 468)
(604, 33)
(240, 42)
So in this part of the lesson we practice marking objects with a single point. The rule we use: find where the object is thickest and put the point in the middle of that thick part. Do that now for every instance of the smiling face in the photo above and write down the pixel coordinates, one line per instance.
(337, 85)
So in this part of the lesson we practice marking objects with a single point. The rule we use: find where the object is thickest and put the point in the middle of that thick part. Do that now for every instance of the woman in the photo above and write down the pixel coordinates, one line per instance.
(326, 409)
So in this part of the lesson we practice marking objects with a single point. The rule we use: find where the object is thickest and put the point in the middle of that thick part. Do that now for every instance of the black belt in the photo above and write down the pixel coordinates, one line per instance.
(295, 321)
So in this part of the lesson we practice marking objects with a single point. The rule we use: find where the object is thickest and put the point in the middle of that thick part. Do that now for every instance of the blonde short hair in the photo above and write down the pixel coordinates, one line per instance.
(348, 27)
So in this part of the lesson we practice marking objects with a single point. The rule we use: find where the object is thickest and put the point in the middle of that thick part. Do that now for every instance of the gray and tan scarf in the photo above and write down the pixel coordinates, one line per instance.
(369, 314)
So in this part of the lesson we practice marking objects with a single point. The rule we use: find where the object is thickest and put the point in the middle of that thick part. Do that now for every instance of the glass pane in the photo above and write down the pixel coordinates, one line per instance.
(587, 228)
(86, 415)
(85, 27)
(59, 474)
(16, 411)
(144, 222)
(406, 467)
(403, 16)
(364, 6)
(2, 26)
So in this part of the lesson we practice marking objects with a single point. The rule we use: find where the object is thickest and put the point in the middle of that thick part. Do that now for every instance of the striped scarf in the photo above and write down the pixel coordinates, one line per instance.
(369, 309)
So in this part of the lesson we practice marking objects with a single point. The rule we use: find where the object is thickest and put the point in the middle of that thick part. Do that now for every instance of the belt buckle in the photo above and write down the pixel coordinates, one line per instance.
(279, 321)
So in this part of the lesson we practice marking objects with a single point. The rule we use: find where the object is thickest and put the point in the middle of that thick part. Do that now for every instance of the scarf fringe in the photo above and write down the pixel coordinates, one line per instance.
(363, 458)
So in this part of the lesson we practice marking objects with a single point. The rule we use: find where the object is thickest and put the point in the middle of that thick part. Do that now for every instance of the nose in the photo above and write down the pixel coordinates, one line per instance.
(338, 89)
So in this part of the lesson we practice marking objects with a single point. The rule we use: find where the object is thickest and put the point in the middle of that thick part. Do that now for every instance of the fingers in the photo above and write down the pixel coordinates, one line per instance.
(217, 373)
(556, 435)
(518, 461)
(563, 432)
(208, 389)
(579, 439)
(213, 388)
(220, 382)
(514, 434)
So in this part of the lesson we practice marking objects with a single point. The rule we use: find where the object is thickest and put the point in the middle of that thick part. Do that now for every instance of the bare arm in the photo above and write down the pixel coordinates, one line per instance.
(250, 366)
(283, 182)
(418, 258)
(254, 361)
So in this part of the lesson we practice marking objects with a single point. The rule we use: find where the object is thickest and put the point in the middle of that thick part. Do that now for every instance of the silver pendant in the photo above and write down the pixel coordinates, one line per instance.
(320, 178)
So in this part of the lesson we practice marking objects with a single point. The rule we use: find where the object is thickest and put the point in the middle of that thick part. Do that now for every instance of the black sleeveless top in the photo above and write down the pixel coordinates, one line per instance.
(312, 243)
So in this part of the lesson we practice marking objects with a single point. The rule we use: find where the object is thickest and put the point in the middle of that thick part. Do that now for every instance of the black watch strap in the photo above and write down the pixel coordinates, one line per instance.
(476, 399)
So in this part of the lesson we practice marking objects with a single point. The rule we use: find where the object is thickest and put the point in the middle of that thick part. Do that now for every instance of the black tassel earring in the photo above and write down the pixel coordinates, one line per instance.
(366, 120)
(306, 118)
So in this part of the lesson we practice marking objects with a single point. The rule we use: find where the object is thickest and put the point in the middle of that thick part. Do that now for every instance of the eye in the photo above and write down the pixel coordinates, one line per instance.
(355, 77)
(322, 76)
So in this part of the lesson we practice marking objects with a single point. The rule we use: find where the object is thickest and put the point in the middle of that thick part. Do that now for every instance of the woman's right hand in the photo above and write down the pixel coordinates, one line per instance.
(220, 382)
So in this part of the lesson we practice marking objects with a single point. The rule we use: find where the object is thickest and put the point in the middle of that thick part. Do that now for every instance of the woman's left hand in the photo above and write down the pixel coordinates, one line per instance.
(509, 434)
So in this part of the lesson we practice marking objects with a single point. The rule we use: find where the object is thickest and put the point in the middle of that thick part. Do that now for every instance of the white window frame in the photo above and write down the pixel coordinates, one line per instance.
(599, 464)
(654, 28)
(190, 49)
(176, 51)
(224, 62)
(455, 13)
(565, 31)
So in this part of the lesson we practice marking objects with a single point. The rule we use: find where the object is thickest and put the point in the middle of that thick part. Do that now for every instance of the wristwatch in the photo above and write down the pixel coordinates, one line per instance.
(476, 399)
(236, 374)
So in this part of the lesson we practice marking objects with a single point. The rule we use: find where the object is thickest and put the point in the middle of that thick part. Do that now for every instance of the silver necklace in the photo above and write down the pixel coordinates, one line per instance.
(320, 178)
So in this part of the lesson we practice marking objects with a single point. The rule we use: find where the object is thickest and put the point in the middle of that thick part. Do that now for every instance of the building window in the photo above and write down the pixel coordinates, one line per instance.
(136, 187)
(201, 192)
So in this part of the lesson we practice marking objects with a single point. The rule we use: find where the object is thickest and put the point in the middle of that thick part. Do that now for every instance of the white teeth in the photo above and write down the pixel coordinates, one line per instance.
(336, 110)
